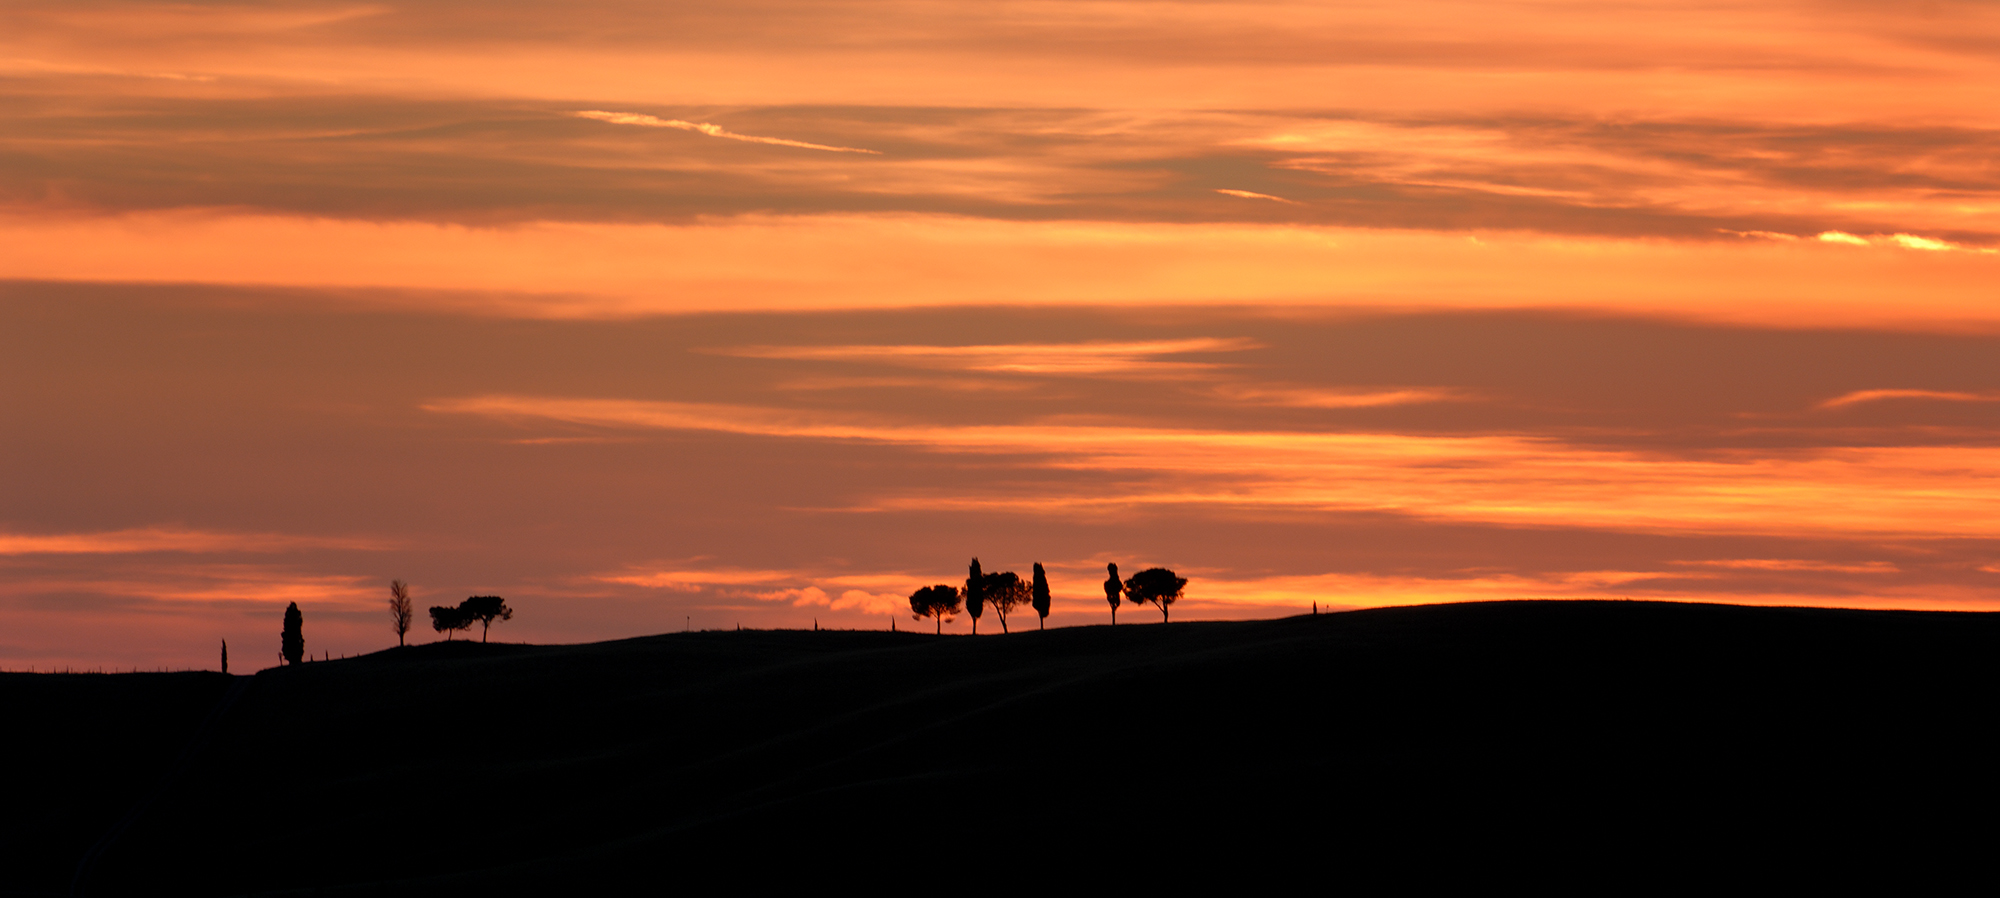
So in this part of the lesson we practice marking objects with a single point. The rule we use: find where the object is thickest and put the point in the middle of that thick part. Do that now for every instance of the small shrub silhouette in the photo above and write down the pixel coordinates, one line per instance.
(1156, 585)
(939, 603)
(1041, 597)
(293, 644)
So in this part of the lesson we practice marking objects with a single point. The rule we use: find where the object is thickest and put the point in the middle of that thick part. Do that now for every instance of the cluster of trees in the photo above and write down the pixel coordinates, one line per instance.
(1003, 592)
(1156, 585)
(446, 619)
(482, 610)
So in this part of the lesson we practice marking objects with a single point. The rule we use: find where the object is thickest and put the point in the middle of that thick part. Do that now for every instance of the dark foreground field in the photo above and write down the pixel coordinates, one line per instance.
(1502, 740)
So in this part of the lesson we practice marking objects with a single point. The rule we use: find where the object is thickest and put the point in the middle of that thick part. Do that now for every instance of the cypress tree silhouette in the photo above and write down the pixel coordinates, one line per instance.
(1156, 585)
(225, 656)
(293, 646)
(975, 595)
(935, 602)
(484, 609)
(1113, 588)
(1041, 597)
(1003, 592)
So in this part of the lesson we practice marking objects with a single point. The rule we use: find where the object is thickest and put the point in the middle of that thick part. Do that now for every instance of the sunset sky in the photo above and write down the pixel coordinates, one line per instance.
(658, 315)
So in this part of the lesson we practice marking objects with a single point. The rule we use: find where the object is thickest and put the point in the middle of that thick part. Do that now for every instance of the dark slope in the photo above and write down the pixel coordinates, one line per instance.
(769, 760)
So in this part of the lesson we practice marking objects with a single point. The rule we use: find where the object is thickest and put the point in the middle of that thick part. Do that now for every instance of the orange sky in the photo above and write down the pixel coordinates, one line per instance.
(648, 317)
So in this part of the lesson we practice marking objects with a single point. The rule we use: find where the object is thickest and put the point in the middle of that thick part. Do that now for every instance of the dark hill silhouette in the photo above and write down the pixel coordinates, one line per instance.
(1534, 737)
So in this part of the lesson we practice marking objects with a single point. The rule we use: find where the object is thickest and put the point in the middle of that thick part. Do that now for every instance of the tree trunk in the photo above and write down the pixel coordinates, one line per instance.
(940, 625)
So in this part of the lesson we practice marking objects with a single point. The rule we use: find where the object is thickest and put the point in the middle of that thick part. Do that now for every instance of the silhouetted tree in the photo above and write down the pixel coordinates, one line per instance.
(293, 646)
(448, 619)
(938, 603)
(1156, 585)
(1004, 592)
(1041, 597)
(975, 595)
(399, 608)
(225, 656)
(1113, 588)
(484, 609)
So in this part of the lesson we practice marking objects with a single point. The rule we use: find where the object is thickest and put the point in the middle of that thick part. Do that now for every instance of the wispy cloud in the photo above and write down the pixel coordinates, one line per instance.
(953, 384)
(1251, 195)
(871, 593)
(1860, 396)
(204, 583)
(1797, 564)
(1765, 235)
(1222, 590)
(1100, 357)
(1931, 244)
(1496, 479)
(1320, 397)
(164, 539)
(1906, 241)
(695, 579)
(647, 121)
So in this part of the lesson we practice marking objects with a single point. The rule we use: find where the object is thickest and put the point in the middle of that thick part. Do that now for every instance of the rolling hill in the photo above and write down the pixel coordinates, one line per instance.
(1538, 739)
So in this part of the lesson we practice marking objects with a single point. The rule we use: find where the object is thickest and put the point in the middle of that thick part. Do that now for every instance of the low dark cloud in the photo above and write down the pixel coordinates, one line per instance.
(1452, 35)
(470, 162)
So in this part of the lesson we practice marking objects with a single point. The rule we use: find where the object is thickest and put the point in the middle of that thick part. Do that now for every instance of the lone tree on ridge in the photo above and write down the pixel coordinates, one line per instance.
(484, 609)
(939, 603)
(975, 595)
(399, 608)
(448, 619)
(1004, 592)
(1156, 585)
(1113, 588)
(1041, 597)
(293, 644)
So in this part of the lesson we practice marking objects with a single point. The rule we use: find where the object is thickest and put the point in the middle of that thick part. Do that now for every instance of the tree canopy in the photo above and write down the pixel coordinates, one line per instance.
(448, 619)
(1156, 585)
(1004, 592)
(939, 603)
(484, 609)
